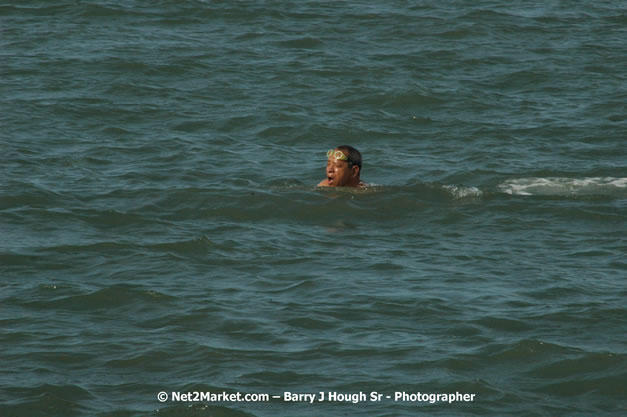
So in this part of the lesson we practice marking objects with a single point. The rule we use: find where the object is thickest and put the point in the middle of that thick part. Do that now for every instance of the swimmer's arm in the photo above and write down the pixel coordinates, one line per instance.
(323, 183)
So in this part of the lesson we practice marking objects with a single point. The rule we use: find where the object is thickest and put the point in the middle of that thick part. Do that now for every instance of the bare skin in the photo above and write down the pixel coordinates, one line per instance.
(341, 173)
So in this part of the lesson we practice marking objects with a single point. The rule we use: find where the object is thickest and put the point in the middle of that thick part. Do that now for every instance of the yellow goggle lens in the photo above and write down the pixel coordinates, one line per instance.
(337, 155)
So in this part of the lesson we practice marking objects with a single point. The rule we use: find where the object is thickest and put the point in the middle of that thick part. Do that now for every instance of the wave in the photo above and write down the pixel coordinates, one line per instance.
(112, 297)
(560, 186)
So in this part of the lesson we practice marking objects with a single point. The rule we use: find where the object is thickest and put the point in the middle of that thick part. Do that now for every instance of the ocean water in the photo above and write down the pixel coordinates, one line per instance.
(160, 228)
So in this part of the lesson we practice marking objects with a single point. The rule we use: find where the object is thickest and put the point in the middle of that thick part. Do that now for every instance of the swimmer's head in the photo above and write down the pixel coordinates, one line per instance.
(343, 167)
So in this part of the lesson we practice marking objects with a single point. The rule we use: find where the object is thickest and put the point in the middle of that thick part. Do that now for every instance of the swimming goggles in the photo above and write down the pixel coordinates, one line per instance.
(338, 155)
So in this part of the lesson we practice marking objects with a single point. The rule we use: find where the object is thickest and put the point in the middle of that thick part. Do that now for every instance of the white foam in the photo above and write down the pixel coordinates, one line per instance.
(463, 192)
(561, 186)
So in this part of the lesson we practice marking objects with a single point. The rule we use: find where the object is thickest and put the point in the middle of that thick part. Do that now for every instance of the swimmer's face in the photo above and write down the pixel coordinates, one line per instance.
(340, 172)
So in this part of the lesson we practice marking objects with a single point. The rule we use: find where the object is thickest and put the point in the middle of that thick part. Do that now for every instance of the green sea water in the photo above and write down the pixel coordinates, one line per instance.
(160, 228)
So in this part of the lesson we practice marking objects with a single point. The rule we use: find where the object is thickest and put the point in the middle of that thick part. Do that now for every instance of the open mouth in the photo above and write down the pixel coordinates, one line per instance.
(330, 180)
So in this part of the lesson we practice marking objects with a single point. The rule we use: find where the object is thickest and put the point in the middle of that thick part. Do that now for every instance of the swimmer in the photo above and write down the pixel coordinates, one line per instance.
(343, 168)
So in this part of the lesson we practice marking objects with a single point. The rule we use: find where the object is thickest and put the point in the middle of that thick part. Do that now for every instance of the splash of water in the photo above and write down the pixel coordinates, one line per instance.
(560, 186)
